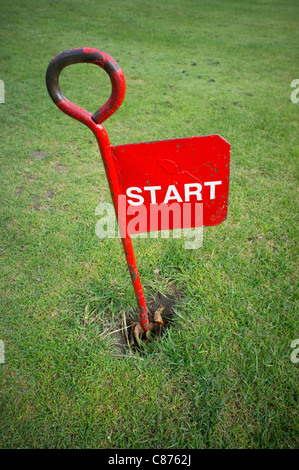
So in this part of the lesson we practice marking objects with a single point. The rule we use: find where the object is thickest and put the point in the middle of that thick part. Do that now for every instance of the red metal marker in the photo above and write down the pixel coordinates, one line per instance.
(179, 174)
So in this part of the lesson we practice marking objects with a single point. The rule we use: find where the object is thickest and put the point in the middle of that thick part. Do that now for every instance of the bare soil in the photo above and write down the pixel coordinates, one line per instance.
(160, 312)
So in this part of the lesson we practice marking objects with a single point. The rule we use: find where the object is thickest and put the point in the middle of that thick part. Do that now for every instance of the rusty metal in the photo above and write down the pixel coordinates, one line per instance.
(94, 122)
(192, 171)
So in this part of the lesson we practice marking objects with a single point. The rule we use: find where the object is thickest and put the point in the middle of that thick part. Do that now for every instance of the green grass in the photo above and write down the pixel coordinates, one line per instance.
(222, 376)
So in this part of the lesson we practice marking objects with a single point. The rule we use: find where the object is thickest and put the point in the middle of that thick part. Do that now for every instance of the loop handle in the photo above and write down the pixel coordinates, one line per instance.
(93, 56)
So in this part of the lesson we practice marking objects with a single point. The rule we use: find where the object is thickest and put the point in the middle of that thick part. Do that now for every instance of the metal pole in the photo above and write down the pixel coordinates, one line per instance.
(113, 181)
(94, 122)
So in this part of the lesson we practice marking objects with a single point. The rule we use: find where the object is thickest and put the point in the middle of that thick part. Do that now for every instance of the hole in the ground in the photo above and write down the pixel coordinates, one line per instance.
(130, 335)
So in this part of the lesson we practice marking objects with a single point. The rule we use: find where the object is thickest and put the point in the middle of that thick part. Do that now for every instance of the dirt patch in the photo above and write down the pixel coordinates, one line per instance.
(130, 335)
(60, 168)
(39, 155)
(19, 190)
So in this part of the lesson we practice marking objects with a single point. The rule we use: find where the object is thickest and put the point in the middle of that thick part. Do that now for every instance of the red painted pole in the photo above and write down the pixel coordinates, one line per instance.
(94, 122)
(112, 177)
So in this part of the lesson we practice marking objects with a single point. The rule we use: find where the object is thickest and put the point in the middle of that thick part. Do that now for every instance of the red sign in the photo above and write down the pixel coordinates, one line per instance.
(179, 183)
(180, 174)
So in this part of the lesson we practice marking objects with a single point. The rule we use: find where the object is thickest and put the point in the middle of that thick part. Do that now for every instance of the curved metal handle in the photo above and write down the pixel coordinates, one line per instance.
(93, 56)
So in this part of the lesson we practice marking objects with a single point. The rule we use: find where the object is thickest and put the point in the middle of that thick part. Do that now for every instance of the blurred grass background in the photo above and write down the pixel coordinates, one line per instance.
(222, 376)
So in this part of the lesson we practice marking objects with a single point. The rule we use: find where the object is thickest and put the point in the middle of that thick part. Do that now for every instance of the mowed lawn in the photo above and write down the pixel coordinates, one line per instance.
(223, 375)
